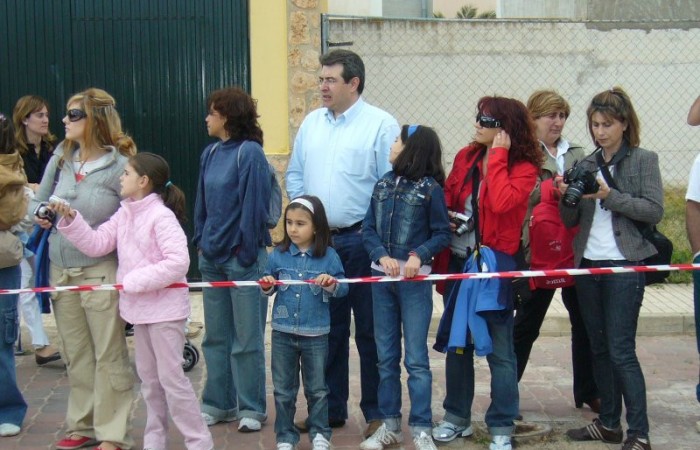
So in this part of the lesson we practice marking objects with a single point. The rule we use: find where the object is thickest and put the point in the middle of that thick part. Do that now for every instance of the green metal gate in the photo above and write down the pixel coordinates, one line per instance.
(158, 58)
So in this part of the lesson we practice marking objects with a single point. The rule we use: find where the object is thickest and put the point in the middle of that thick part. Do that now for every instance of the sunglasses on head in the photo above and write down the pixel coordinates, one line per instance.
(75, 115)
(488, 122)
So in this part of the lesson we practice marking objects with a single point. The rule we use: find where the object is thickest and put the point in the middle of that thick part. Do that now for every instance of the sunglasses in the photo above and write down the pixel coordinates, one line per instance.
(488, 122)
(75, 115)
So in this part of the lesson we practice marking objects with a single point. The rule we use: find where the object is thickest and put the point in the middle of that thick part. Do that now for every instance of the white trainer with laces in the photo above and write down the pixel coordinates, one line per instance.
(284, 446)
(382, 438)
(211, 420)
(424, 442)
(248, 425)
(320, 443)
(500, 442)
(447, 431)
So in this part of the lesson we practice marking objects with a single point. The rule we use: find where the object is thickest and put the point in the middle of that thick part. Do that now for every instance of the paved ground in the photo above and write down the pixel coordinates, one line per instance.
(666, 350)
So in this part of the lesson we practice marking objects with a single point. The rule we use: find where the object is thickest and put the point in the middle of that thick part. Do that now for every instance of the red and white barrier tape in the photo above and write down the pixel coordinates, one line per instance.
(384, 279)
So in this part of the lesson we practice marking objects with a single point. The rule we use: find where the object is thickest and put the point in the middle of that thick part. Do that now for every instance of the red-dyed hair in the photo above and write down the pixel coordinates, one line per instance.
(516, 121)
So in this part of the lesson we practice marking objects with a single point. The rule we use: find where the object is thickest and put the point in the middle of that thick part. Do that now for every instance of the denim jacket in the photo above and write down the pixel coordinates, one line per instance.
(403, 217)
(303, 309)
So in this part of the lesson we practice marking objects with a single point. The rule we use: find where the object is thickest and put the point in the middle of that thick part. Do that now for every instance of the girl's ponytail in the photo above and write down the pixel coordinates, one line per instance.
(174, 198)
(156, 168)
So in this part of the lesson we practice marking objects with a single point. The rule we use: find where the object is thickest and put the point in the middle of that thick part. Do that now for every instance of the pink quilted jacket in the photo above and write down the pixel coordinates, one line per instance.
(152, 251)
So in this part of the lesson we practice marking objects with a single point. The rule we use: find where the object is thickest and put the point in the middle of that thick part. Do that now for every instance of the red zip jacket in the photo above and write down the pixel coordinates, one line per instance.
(503, 199)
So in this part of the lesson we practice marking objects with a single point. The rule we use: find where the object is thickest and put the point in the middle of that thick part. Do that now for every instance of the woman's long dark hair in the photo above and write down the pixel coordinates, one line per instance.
(516, 121)
(240, 111)
(421, 155)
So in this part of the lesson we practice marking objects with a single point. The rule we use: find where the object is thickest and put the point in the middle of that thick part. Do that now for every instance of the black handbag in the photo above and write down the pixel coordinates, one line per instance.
(664, 249)
(663, 245)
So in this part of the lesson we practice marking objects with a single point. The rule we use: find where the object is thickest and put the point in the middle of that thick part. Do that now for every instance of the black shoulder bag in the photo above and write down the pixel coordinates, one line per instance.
(663, 245)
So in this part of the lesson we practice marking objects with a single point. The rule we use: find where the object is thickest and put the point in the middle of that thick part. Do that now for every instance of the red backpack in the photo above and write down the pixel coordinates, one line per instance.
(551, 243)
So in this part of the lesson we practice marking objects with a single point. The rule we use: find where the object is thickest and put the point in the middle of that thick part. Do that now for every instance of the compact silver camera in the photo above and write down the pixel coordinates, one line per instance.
(42, 210)
(465, 224)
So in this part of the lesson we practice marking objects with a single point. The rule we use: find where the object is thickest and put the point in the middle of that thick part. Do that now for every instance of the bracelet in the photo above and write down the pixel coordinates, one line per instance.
(412, 253)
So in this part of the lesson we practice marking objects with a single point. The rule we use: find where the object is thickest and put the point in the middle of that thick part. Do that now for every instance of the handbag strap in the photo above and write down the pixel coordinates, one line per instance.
(644, 228)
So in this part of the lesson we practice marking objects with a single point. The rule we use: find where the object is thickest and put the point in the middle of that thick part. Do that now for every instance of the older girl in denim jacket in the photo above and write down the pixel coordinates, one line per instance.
(301, 318)
(406, 225)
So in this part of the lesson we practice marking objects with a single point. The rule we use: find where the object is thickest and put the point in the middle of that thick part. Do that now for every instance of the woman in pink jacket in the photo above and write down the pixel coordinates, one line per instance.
(152, 251)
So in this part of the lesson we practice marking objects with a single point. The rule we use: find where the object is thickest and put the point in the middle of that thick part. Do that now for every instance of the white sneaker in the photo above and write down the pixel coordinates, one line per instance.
(248, 425)
(424, 442)
(284, 446)
(381, 438)
(447, 431)
(320, 443)
(9, 429)
(500, 442)
(211, 420)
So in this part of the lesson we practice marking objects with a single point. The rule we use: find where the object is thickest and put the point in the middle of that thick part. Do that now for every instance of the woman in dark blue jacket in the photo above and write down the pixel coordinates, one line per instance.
(230, 232)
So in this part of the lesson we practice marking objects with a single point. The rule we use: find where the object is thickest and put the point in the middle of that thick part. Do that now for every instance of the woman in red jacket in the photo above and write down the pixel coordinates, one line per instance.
(501, 164)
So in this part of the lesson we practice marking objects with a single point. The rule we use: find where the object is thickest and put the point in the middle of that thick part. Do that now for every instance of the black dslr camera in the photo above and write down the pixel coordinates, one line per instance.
(464, 223)
(581, 181)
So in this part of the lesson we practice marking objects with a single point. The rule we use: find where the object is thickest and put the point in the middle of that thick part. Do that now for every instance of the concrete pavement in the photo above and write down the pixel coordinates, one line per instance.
(665, 347)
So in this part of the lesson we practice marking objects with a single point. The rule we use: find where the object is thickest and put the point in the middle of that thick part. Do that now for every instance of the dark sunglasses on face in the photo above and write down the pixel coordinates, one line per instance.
(75, 115)
(488, 122)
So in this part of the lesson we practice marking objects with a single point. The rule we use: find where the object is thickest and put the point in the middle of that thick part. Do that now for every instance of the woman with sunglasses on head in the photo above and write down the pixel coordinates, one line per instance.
(84, 171)
(35, 143)
(628, 193)
(500, 167)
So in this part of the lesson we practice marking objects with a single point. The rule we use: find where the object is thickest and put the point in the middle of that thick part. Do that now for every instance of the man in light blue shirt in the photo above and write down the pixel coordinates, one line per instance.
(340, 152)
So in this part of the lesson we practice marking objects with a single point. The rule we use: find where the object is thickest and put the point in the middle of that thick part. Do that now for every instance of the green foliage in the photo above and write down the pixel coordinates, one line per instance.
(673, 226)
(471, 12)
(438, 15)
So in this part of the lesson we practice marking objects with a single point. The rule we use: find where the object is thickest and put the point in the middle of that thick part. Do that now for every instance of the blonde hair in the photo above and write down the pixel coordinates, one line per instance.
(545, 102)
(24, 107)
(103, 127)
(614, 103)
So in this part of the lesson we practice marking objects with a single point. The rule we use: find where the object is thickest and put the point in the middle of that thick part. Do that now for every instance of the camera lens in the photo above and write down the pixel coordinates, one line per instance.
(573, 194)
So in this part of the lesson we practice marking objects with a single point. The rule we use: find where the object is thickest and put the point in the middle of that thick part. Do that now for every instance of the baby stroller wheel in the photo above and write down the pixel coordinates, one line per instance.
(191, 356)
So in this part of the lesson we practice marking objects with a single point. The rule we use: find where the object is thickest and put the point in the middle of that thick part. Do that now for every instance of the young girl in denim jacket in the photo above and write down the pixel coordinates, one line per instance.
(406, 225)
(301, 318)
(152, 251)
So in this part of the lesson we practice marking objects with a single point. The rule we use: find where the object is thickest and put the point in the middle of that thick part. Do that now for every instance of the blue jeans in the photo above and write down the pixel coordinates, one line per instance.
(233, 344)
(290, 353)
(459, 371)
(406, 306)
(13, 408)
(610, 308)
(696, 298)
(356, 264)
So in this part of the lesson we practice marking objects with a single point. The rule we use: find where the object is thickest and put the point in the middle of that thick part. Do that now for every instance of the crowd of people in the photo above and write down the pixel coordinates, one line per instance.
(366, 197)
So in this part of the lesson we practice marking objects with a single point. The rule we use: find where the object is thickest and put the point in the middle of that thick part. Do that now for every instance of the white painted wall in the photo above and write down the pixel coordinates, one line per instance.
(433, 72)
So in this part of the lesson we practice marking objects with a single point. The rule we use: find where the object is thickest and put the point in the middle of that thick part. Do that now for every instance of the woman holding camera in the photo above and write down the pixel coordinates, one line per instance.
(500, 168)
(550, 111)
(609, 237)
(84, 171)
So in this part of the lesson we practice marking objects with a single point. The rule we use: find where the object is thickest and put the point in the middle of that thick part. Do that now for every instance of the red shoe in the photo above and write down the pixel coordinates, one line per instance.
(69, 443)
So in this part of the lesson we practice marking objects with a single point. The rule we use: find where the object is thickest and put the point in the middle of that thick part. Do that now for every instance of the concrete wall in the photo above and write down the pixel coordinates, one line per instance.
(629, 10)
(433, 72)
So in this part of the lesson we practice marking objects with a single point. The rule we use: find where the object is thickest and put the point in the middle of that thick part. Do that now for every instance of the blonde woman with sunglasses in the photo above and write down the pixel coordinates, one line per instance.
(89, 163)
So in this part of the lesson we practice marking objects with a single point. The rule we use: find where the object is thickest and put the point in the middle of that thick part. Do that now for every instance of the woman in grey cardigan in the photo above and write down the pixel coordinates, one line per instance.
(89, 163)
(608, 237)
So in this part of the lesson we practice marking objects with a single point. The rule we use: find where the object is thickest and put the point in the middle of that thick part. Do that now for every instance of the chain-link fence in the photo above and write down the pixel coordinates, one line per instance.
(433, 72)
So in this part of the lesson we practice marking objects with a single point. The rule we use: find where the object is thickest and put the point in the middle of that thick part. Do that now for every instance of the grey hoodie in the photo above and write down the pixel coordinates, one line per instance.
(96, 197)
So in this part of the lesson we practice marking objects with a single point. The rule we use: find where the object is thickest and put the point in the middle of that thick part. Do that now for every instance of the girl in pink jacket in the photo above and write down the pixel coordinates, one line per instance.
(152, 251)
